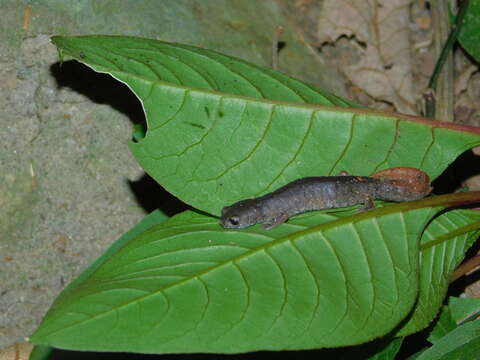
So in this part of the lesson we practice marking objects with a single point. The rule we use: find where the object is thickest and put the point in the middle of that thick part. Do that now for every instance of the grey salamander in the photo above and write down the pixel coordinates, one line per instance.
(327, 192)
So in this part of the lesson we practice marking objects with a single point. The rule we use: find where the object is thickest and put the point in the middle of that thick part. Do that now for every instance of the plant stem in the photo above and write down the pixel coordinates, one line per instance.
(466, 267)
(452, 38)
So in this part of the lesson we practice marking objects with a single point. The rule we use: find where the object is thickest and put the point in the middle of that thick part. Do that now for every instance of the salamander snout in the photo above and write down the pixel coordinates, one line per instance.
(239, 215)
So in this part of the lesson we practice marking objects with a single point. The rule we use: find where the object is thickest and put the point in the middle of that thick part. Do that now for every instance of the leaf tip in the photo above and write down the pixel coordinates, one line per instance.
(55, 40)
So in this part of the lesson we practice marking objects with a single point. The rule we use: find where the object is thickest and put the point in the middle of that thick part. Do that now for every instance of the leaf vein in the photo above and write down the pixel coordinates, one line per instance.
(347, 145)
(317, 286)
(391, 147)
(285, 287)
(250, 153)
(370, 275)
(295, 154)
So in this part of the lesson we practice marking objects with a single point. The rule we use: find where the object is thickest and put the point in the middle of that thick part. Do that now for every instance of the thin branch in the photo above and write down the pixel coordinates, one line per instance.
(465, 268)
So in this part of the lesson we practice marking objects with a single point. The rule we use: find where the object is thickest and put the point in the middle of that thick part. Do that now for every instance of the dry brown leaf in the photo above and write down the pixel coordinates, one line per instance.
(463, 79)
(473, 290)
(381, 29)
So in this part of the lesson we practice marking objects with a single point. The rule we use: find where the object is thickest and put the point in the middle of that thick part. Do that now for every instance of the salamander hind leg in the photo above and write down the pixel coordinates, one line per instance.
(279, 220)
(367, 203)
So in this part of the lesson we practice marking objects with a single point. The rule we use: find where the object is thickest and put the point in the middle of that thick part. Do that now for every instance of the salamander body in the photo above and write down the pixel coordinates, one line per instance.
(327, 192)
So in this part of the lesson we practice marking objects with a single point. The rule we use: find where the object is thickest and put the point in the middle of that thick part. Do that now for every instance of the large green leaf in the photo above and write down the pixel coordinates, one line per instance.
(188, 285)
(221, 130)
(443, 246)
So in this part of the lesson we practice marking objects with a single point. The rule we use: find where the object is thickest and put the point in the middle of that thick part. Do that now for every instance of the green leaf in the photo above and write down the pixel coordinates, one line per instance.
(443, 245)
(221, 130)
(461, 343)
(463, 309)
(40, 352)
(389, 352)
(444, 324)
(469, 36)
(188, 285)
(458, 310)
(380, 349)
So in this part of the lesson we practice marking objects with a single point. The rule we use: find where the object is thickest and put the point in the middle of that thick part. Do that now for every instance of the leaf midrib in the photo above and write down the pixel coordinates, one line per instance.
(451, 234)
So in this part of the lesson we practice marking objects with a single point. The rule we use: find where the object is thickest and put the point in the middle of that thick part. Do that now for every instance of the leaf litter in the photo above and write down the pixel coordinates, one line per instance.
(380, 30)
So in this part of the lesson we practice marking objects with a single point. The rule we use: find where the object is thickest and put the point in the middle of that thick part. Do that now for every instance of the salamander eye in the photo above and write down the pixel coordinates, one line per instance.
(234, 221)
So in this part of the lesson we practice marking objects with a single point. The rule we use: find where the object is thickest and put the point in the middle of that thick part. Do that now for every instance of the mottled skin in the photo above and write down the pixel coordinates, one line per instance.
(327, 192)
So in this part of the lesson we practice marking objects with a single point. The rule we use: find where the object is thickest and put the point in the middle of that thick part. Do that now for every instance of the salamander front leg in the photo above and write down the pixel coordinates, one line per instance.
(279, 220)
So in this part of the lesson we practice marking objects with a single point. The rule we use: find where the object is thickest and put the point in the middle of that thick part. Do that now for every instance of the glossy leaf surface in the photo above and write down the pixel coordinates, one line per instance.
(187, 285)
(221, 130)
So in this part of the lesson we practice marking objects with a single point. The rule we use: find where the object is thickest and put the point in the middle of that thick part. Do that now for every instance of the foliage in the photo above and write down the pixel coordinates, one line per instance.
(219, 130)
(470, 34)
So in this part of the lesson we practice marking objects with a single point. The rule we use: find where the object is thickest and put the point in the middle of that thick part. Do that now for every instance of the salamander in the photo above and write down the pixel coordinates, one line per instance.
(327, 192)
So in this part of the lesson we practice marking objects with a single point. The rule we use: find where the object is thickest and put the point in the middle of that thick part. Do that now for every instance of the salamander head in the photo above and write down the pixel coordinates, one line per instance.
(241, 214)
(408, 183)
